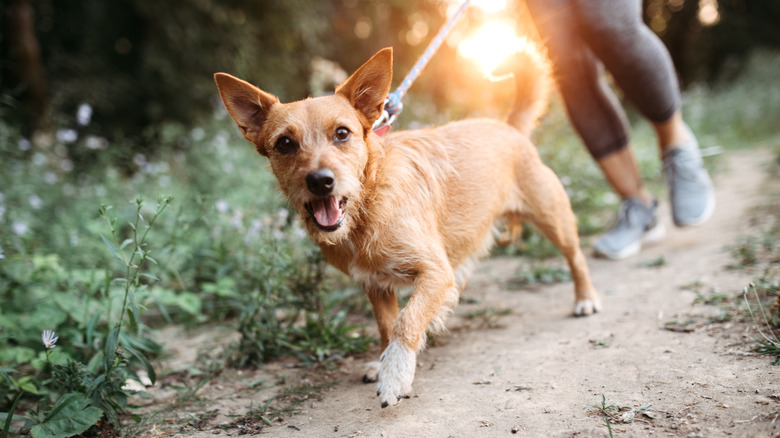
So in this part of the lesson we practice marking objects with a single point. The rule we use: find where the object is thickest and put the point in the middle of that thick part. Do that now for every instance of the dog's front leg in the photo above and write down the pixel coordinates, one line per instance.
(385, 304)
(398, 362)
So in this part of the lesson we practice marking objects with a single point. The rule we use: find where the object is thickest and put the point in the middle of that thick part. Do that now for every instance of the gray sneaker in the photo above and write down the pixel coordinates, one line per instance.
(636, 224)
(690, 188)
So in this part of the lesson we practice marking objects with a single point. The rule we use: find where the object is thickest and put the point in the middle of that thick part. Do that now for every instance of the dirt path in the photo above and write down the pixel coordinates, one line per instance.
(535, 375)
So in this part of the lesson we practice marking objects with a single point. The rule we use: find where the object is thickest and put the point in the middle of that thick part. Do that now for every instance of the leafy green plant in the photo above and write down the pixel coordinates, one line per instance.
(655, 263)
(615, 413)
(82, 393)
(292, 311)
(539, 275)
(488, 317)
(769, 343)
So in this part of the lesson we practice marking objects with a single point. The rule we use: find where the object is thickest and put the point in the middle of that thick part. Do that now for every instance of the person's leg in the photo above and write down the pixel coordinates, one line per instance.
(634, 56)
(672, 132)
(622, 173)
(643, 69)
(593, 108)
(599, 119)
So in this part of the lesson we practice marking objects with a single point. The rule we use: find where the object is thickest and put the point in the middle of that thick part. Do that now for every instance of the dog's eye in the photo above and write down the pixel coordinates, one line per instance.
(285, 145)
(342, 134)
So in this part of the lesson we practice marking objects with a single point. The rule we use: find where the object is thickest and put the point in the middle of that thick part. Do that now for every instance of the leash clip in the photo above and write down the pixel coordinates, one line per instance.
(392, 108)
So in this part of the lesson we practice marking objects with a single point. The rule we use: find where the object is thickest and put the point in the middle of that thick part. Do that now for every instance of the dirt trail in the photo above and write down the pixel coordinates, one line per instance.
(535, 375)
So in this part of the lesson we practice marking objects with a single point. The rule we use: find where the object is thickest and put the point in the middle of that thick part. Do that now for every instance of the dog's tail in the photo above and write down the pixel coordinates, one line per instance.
(533, 79)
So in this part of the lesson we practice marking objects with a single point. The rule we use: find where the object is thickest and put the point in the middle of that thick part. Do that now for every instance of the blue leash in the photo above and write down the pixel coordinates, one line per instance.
(393, 105)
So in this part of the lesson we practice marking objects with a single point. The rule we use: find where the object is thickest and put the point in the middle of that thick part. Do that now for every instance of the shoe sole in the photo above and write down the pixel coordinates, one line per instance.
(704, 217)
(652, 235)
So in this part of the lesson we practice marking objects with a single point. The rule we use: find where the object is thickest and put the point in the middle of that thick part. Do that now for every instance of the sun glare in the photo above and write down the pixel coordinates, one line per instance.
(490, 45)
(486, 6)
(490, 6)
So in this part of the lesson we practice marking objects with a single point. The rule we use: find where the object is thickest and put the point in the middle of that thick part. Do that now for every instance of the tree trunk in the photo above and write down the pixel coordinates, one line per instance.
(26, 64)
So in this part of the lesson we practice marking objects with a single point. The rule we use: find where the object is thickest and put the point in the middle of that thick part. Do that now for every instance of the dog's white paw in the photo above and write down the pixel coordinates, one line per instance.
(396, 372)
(586, 307)
(372, 371)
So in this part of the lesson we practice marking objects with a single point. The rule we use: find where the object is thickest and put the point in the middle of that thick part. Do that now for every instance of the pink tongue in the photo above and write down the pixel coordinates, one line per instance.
(327, 212)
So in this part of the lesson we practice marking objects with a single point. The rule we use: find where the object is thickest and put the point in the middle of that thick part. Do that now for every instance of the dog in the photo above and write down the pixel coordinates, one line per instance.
(412, 208)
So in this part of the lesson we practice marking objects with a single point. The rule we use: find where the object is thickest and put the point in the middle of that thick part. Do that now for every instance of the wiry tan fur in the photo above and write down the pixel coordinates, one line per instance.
(418, 206)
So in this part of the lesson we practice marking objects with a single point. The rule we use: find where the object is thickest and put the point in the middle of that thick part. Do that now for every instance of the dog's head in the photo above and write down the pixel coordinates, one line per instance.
(318, 148)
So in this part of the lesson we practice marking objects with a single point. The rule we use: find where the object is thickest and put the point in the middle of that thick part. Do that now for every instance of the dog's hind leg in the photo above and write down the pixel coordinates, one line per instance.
(385, 305)
(549, 209)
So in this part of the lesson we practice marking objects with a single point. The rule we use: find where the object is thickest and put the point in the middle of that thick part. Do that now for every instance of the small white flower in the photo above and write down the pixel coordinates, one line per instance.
(254, 230)
(298, 230)
(610, 198)
(222, 206)
(35, 202)
(19, 228)
(24, 144)
(2, 256)
(238, 219)
(39, 159)
(50, 178)
(84, 114)
(198, 134)
(67, 135)
(49, 339)
(220, 142)
(95, 143)
(139, 160)
(282, 215)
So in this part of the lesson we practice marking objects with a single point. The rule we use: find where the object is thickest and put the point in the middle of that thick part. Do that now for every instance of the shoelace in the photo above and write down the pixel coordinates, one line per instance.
(625, 217)
(681, 165)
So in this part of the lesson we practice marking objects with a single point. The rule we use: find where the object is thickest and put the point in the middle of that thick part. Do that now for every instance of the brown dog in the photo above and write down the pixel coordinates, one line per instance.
(413, 208)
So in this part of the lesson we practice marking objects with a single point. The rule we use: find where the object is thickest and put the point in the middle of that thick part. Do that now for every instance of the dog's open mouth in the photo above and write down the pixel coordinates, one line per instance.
(328, 213)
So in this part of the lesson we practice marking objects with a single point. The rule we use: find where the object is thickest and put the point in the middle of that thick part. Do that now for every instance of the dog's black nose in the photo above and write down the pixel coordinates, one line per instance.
(321, 182)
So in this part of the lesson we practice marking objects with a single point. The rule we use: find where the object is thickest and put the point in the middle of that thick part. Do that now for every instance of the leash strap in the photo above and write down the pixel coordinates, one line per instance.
(393, 105)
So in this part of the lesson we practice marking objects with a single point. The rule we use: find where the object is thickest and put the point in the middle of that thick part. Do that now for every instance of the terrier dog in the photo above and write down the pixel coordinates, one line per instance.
(413, 208)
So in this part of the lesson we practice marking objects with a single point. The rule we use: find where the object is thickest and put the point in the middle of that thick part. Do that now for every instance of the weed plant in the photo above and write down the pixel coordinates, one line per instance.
(615, 413)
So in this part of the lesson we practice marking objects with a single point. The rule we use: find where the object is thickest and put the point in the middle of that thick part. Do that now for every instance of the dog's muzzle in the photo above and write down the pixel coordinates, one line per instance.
(327, 211)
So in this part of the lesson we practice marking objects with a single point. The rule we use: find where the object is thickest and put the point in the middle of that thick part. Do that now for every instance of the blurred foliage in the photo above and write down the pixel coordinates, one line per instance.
(142, 65)
(717, 51)
(228, 249)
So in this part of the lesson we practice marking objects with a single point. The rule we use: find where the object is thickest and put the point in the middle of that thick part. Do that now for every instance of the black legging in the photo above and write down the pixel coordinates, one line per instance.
(584, 36)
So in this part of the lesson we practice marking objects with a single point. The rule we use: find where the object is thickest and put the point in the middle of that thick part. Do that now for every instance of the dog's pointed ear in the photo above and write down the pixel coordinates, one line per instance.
(246, 104)
(368, 87)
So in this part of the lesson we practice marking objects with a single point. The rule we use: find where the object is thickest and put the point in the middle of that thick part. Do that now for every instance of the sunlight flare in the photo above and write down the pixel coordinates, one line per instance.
(490, 45)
